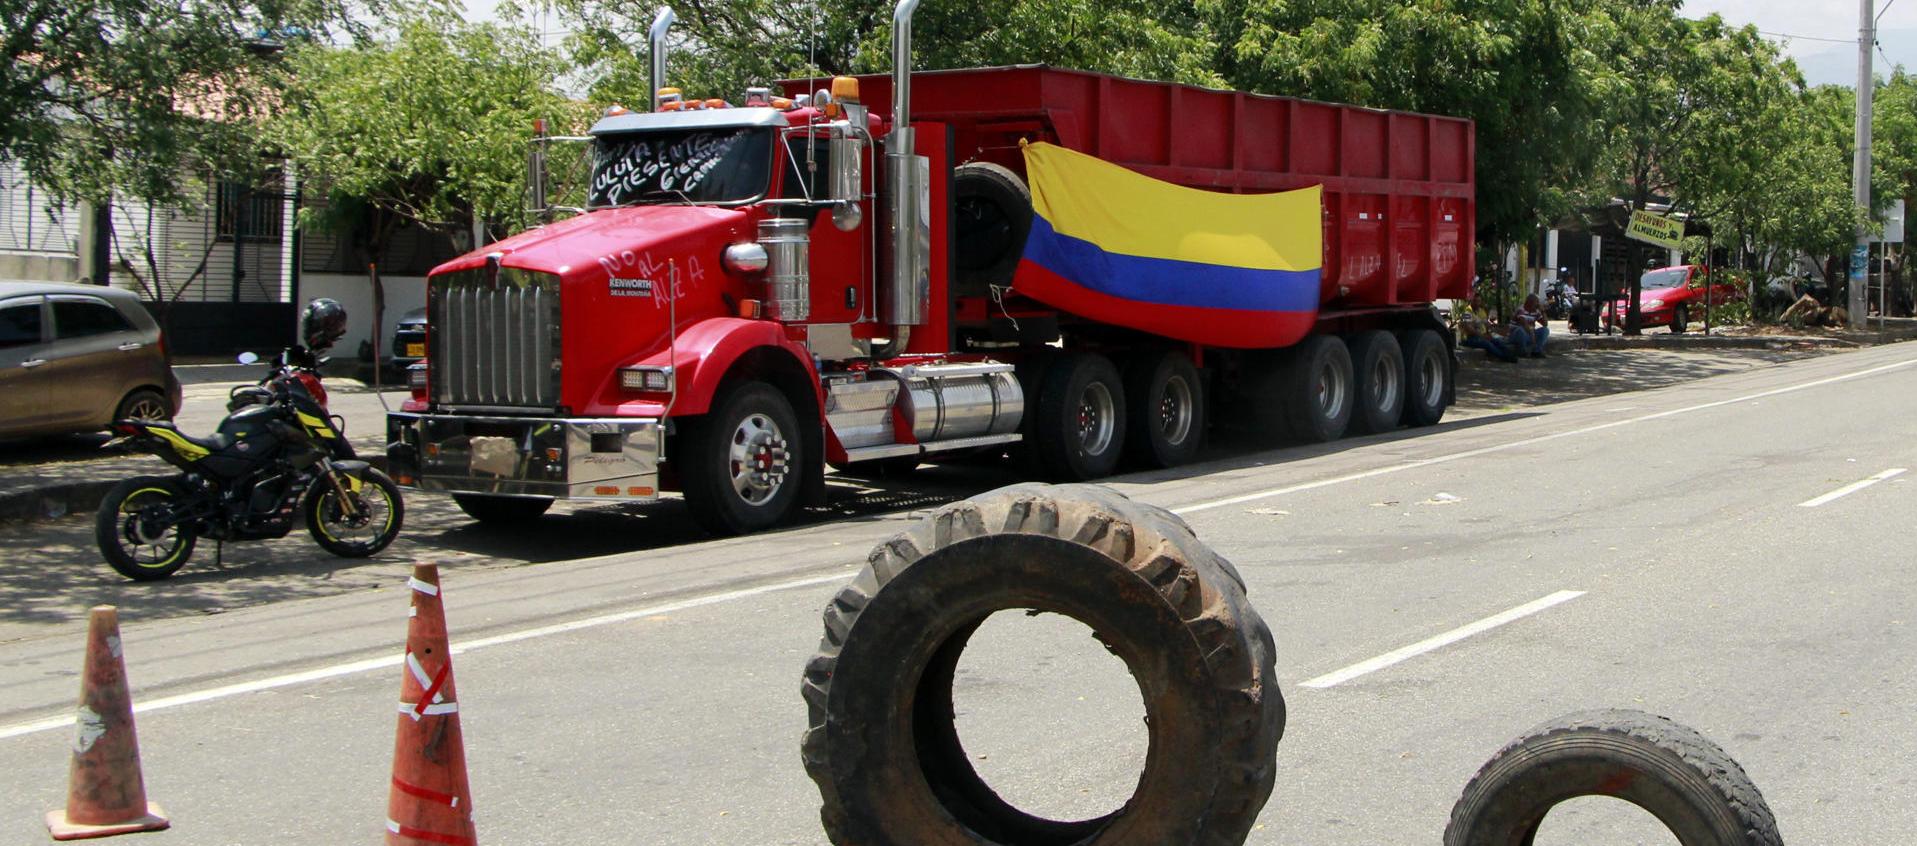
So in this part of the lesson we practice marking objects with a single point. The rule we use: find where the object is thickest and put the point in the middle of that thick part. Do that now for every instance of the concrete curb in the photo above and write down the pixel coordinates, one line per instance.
(54, 500)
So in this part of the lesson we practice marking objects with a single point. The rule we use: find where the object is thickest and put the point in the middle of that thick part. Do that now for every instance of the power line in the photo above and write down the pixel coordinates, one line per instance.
(1807, 37)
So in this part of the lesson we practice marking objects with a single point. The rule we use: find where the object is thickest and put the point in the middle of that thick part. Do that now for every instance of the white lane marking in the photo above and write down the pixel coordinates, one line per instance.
(370, 664)
(1459, 456)
(1428, 644)
(1852, 488)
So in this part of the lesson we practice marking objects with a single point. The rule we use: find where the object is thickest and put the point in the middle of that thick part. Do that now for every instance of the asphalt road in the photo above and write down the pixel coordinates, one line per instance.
(652, 696)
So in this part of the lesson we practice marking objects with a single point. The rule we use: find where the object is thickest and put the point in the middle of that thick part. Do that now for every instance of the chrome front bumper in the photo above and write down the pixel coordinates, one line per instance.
(596, 458)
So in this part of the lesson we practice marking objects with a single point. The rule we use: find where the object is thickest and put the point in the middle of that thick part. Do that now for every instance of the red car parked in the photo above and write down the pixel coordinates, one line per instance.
(1674, 296)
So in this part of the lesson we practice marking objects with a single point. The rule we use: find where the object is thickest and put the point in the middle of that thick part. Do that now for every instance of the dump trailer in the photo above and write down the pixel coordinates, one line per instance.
(867, 273)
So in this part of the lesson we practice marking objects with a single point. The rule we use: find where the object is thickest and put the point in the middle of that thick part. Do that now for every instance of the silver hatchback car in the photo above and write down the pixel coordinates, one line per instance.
(77, 357)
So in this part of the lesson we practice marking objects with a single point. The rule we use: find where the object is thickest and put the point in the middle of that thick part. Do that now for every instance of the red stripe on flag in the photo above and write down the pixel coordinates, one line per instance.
(1216, 327)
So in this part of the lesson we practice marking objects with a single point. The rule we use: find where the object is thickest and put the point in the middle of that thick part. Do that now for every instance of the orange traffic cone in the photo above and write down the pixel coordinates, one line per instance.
(105, 794)
(430, 802)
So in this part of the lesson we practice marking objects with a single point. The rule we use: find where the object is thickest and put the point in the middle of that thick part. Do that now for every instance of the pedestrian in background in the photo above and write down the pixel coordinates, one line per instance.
(1528, 329)
(1474, 334)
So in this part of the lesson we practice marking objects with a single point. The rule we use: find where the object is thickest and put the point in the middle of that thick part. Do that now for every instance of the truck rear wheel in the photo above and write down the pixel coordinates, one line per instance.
(1079, 431)
(1378, 365)
(1165, 409)
(1317, 390)
(1427, 368)
(742, 461)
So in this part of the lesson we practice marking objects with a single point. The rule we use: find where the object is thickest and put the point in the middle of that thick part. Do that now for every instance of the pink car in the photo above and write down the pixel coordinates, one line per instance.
(1675, 296)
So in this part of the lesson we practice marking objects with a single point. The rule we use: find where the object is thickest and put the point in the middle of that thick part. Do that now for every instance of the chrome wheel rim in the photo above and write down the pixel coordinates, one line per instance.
(146, 408)
(757, 459)
(1331, 390)
(1096, 420)
(1175, 411)
(1385, 383)
(1432, 370)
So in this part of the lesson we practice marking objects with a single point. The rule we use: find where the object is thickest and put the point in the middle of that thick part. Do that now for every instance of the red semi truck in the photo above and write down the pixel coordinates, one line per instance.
(756, 292)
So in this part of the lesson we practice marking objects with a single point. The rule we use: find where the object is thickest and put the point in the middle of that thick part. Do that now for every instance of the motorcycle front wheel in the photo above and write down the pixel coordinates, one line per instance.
(372, 522)
(133, 533)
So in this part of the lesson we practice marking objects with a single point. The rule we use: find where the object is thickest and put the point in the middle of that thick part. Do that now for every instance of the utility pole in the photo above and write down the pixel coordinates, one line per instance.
(1860, 167)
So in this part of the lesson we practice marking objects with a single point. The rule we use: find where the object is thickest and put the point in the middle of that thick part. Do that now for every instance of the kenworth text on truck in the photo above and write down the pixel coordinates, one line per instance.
(1005, 259)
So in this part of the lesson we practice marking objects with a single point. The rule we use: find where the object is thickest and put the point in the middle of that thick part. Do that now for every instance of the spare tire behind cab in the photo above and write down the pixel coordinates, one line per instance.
(993, 214)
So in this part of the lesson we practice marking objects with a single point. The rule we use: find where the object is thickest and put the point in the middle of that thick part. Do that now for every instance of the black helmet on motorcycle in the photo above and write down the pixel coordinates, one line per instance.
(323, 323)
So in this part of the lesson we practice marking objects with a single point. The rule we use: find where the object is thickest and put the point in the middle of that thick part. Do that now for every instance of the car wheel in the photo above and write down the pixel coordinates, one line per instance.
(143, 404)
(1679, 318)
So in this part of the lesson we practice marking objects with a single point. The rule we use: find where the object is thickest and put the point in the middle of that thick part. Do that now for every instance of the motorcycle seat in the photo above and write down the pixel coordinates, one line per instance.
(217, 442)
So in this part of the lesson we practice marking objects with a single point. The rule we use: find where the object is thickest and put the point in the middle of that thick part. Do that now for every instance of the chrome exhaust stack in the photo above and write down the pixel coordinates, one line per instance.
(656, 37)
(908, 181)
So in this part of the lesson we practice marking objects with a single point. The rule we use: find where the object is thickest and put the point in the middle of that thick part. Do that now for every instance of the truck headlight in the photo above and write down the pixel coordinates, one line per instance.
(652, 380)
(744, 258)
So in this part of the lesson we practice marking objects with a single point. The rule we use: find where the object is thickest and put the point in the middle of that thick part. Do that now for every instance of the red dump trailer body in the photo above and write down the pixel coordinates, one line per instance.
(753, 293)
(1399, 206)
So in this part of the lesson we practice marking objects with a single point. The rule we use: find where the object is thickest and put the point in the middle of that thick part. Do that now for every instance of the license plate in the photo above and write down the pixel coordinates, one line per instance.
(416, 350)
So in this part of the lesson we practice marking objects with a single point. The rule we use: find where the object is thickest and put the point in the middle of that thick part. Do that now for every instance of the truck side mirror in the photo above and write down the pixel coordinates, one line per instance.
(847, 187)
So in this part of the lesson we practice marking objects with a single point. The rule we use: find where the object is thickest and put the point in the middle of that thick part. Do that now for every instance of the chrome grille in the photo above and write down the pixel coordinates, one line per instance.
(495, 338)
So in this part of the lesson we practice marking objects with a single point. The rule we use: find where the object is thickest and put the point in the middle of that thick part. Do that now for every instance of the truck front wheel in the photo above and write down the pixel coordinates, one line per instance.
(743, 461)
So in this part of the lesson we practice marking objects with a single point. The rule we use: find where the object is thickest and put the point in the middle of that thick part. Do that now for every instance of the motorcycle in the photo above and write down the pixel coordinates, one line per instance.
(279, 455)
(1559, 300)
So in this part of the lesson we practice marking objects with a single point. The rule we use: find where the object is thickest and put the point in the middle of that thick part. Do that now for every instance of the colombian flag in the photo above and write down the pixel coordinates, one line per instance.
(1228, 270)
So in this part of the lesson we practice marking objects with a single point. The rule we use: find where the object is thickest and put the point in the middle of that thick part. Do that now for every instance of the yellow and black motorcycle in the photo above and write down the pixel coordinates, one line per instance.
(277, 455)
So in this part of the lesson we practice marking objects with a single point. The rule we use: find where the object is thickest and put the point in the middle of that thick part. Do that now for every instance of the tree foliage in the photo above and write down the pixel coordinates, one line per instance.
(428, 127)
(133, 96)
(722, 47)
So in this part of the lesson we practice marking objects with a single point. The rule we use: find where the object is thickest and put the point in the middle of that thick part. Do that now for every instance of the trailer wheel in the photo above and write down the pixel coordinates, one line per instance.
(1427, 366)
(1378, 365)
(881, 744)
(1676, 774)
(992, 209)
(1079, 431)
(744, 461)
(1317, 390)
(1165, 409)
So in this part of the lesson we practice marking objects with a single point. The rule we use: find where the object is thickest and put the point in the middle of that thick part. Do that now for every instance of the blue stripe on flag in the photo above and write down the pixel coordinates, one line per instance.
(1169, 281)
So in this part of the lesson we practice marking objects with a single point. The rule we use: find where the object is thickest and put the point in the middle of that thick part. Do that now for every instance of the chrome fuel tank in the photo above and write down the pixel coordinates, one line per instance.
(944, 402)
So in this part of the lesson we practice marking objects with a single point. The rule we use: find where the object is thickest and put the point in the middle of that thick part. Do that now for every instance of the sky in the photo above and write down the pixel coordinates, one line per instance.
(1823, 61)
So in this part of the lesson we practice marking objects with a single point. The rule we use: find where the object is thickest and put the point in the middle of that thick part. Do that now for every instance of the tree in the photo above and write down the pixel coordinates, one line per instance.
(133, 97)
(722, 47)
(1515, 67)
(427, 128)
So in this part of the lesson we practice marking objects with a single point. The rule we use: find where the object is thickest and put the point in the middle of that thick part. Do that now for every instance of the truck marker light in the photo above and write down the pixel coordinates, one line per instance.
(606, 490)
(553, 453)
(639, 491)
(432, 450)
(751, 309)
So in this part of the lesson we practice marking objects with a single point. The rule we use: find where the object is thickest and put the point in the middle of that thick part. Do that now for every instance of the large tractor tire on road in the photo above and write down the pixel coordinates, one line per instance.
(1676, 774)
(882, 744)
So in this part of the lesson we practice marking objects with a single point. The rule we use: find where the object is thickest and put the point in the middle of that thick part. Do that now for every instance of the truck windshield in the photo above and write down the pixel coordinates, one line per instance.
(681, 166)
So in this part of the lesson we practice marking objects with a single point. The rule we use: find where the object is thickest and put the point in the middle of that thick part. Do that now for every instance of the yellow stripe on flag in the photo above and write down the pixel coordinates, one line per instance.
(1125, 212)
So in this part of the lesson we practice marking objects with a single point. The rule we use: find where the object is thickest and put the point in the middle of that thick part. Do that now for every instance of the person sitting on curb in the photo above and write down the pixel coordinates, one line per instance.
(1472, 333)
(1528, 329)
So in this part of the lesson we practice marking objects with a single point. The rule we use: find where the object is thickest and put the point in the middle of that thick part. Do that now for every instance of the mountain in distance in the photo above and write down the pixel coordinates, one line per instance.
(1836, 64)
